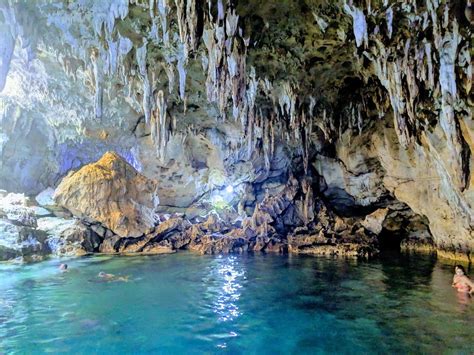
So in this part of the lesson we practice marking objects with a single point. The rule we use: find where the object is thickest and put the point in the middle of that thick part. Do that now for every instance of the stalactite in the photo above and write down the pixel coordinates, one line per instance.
(169, 70)
(183, 47)
(182, 61)
(251, 96)
(159, 129)
(155, 129)
(359, 119)
(236, 62)
(359, 24)
(389, 74)
(193, 16)
(99, 90)
(407, 71)
(389, 17)
(124, 47)
(181, 19)
(272, 134)
(163, 10)
(220, 10)
(143, 70)
(266, 145)
(447, 45)
(212, 60)
(151, 7)
(308, 210)
(306, 127)
(221, 71)
(429, 62)
(287, 102)
(105, 14)
(112, 56)
(225, 61)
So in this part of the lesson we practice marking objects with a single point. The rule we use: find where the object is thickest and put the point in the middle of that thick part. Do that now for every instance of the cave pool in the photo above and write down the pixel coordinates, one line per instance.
(234, 304)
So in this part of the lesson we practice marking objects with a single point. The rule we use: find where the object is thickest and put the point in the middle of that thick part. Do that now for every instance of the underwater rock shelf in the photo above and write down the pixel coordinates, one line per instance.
(320, 127)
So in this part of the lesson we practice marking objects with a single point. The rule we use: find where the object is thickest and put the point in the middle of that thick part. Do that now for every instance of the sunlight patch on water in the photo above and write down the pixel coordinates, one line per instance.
(230, 272)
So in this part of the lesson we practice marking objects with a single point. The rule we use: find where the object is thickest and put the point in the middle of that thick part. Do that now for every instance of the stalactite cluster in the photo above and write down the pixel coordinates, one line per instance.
(420, 75)
(109, 53)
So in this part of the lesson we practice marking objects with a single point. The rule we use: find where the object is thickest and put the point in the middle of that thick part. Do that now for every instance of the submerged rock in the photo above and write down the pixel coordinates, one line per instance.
(113, 193)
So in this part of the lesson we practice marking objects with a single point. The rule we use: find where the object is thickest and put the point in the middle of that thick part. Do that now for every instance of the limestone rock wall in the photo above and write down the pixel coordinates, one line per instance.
(369, 101)
(421, 56)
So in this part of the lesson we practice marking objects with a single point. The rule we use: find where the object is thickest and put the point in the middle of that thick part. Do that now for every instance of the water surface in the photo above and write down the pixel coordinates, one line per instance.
(272, 304)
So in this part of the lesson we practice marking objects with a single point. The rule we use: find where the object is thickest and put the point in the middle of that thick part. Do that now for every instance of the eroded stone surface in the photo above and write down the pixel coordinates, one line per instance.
(22, 242)
(68, 237)
(113, 193)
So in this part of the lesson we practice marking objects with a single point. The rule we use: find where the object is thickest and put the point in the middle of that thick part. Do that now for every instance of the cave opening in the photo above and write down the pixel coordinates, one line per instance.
(390, 241)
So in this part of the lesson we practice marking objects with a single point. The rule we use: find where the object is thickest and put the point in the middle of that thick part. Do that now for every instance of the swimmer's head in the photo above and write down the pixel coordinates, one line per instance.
(63, 267)
(459, 270)
(101, 274)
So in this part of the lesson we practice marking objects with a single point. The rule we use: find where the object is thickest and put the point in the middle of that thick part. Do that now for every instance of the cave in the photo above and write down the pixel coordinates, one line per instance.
(306, 134)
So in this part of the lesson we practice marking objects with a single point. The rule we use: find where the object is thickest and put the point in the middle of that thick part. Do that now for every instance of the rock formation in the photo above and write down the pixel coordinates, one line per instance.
(113, 193)
(31, 233)
(367, 104)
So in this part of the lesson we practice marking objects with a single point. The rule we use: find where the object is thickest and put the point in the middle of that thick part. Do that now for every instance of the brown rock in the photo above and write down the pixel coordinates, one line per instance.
(276, 246)
(108, 245)
(232, 242)
(347, 249)
(169, 229)
(163, 247)
(113, 193)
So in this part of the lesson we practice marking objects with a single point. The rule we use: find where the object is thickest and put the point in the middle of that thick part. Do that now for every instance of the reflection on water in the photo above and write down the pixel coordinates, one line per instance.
(229, 274)
(223, 282)
(258, 304)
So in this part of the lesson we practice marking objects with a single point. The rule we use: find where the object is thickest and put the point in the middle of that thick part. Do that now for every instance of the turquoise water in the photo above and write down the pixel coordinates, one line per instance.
(271, 304)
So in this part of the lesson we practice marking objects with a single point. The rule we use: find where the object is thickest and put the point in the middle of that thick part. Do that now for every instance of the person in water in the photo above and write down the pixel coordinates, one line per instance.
(461, 282)
(111, 277)
(63, 267)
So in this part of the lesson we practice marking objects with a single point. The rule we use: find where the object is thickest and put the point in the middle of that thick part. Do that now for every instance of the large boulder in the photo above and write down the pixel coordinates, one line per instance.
(112, 192)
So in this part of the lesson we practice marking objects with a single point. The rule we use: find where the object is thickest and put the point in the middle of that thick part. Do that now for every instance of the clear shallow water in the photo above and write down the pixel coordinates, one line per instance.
(186, 303)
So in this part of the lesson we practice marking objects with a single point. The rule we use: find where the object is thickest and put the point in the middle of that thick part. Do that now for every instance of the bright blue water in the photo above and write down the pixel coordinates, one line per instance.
(261, 304)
